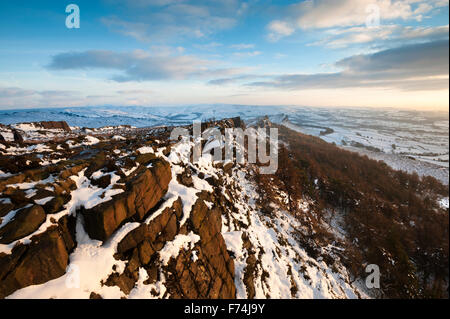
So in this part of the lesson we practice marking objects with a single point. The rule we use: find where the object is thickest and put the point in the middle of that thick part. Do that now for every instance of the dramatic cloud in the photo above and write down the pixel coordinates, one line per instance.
(330, 13)
(141, 66)
(323, 14)
(413, 67)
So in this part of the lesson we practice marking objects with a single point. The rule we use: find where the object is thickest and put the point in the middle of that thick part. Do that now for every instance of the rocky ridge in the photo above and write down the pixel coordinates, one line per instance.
(123, 213)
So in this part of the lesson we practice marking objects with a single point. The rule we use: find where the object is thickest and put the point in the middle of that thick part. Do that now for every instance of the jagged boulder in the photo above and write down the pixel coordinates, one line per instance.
(154, 235)
(185, 178)
(141, 244)
(56, 204)
(102, 181)
(145, 159)
(212, 274)
(17, 136)
(142, 193)
(74, 170)
(96, 163)
(44, 259)
(206, 271)
(62, 125)
(25, 222)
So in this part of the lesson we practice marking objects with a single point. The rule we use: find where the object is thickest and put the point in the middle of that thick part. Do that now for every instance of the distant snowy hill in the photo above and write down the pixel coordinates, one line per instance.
(414, 141)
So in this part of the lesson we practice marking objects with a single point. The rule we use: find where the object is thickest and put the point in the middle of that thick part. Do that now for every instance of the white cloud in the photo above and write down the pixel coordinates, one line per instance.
(330, 13)
(418, 67)
(140, 65)
(326, 14)
(279, 29)
(423, 8)
(381, 36)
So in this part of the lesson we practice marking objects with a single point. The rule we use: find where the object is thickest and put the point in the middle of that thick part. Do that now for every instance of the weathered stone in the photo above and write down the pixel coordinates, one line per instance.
(5, 208)
(72, 171)
(62, 125)
(42, 193)
(215, 288)
(171, 229)
(66, 228)
(17, 136)
(206, 196)
(152, 273)
(133, 239)
(249, 276)
(94, 295)
(64, 186)
(25, 222)
(44, 259)
(227, 167)
(134, 262)
(9, 261)
(212, 274)
(187, 285)
(102, 182)
(145, 252)
(145, 159)
(185, 178)
(96, 163)
(17, 197)
(123, 281)
(161, 229)
(142, 193)
(56, 204)
(198, 214)
(201, 277)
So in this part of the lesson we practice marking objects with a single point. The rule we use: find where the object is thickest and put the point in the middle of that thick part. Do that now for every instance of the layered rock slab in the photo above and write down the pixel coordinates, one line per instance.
(142, 192)
(44, 259)
(205, 271)
(209, 271)
(25, 222)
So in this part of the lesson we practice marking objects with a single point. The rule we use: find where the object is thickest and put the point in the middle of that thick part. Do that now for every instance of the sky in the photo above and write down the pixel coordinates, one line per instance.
(332, 53)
